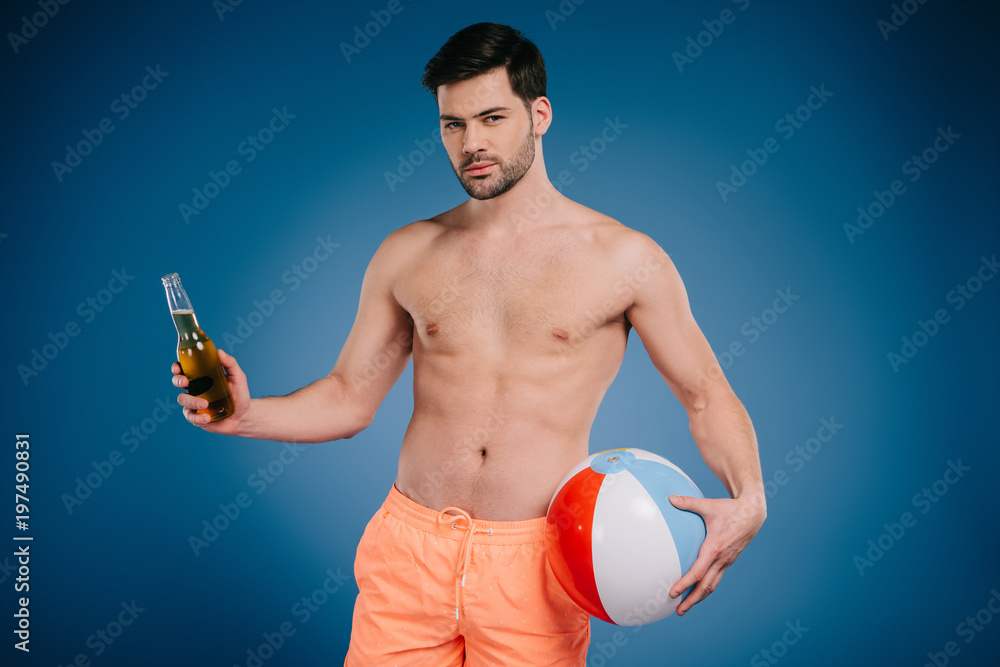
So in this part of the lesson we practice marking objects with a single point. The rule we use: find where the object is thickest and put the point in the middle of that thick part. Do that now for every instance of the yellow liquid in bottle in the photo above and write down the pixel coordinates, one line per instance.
(200, 363)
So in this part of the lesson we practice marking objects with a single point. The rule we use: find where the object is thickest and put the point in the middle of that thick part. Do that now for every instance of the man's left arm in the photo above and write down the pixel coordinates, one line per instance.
(720, 425)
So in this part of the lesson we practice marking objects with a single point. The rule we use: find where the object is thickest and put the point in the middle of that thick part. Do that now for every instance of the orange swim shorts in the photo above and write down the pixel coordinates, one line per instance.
(442, 589)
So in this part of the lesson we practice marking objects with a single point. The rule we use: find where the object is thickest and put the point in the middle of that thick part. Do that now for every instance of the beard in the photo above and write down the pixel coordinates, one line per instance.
(506, 174)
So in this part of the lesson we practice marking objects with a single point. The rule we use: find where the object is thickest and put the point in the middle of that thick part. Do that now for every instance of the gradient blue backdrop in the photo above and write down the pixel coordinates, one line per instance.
(324, 177)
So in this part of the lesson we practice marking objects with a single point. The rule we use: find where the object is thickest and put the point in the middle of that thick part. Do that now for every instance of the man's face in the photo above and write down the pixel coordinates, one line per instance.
(488, 133)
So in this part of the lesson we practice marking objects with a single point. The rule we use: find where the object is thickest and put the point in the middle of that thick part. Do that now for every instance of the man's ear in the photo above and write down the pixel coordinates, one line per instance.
(541, 114)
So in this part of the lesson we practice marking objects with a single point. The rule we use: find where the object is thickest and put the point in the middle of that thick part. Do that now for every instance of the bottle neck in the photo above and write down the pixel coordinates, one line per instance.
(180, 306)
(186, 322)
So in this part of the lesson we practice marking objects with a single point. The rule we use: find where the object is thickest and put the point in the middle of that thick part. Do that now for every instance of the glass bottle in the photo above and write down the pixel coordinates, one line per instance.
(197, 355)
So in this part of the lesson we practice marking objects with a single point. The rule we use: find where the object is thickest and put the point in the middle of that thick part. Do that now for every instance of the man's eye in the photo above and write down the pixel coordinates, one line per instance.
(494, 118)
(452, 125)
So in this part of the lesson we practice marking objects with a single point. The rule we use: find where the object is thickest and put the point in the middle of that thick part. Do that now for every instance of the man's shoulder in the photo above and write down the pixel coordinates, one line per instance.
(412, 237)
(417, 229)
(617, 238)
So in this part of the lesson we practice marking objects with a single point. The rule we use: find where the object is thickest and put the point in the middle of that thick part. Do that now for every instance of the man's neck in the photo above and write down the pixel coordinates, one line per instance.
(522, 207)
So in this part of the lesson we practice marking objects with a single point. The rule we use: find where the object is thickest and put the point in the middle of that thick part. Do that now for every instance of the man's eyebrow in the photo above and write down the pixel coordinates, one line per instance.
(478, 115)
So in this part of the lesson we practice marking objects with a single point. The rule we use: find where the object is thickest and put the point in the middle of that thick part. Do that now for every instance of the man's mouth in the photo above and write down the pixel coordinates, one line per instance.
(479, 168)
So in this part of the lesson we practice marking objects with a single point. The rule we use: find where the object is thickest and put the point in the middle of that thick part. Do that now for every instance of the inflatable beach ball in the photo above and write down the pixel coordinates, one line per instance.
(615, 542)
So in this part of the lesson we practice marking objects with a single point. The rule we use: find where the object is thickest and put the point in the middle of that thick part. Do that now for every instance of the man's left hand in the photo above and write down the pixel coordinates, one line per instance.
(730, 524)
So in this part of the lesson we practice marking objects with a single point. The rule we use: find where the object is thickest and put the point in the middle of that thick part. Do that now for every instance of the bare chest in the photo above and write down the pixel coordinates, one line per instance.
(551, 295)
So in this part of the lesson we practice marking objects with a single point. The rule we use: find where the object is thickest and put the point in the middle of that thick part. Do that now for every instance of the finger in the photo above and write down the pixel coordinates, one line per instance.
(232, 368)
(705, 587)
(234, 373)
(706, 557)
(175, 368)
(701, 590)
(195, 418)
(702, 506)
(180, 381)
(189, 402)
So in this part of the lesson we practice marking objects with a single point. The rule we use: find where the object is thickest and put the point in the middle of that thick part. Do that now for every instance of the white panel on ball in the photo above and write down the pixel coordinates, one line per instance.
(622, 572)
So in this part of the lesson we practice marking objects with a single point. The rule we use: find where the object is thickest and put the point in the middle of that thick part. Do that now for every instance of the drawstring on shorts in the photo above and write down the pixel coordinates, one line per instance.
(466, 556)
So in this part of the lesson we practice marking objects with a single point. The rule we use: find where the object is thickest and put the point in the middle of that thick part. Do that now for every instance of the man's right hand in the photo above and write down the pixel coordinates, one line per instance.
(342, 403)
(232, 424)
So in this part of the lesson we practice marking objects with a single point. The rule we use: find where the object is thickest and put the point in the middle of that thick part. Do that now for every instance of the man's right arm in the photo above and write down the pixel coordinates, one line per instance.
(344, 402)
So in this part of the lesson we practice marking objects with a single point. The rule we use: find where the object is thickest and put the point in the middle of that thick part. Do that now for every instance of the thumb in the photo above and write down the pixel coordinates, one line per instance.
(685, 502)
(229, 363)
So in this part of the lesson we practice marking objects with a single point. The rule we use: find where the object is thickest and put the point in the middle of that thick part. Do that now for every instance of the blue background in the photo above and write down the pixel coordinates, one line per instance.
(324, 176)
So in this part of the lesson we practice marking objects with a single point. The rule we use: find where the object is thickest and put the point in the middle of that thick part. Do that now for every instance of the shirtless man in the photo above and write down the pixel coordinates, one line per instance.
(516, 307)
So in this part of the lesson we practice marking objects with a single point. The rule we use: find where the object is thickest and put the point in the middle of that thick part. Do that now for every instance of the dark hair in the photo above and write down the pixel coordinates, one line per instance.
(482, 48)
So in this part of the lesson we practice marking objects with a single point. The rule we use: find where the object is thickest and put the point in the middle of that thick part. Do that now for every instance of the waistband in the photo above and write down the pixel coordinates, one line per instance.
(432, 521)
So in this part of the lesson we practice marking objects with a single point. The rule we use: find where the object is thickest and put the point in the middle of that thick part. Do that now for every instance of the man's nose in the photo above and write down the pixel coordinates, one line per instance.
(474, 140)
